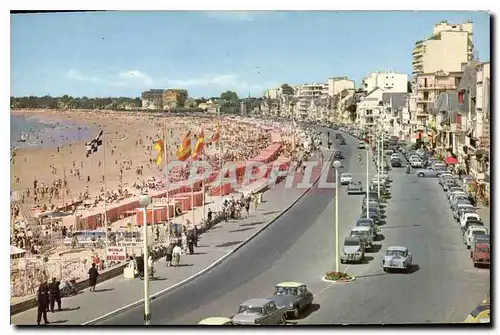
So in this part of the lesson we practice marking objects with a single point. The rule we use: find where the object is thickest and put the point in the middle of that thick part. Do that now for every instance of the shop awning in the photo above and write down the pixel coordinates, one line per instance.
(450, 160)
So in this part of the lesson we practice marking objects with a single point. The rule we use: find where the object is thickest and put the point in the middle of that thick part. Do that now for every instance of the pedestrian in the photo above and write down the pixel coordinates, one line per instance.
(184, 242)
(168, 253)
(209, 215)
(54, 295)
(42, 300)
(93, 274)
(176, 255)
(195, 236)
(191, 243)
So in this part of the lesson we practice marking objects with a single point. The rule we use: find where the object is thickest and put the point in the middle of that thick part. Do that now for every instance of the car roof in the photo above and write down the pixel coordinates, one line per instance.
(214, 321)
(360, 228)
(289, 284)
(346, 174)
(256, 302)
(352, 238)
(397, 248)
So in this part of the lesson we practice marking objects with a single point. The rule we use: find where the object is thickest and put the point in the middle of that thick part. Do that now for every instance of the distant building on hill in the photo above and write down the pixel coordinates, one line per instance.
(163, 99)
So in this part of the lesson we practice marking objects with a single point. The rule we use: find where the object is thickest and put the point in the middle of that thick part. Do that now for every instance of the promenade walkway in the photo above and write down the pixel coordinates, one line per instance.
(214, 244)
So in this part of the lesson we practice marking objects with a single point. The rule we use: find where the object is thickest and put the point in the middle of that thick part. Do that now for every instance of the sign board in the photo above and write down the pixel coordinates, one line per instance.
(116, 254)
(160, 201)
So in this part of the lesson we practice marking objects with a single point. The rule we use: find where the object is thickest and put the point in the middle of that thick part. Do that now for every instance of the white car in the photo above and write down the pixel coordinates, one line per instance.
(450, 195)
(395, 156)
(345, 178)
(467, 216)
(472, 232)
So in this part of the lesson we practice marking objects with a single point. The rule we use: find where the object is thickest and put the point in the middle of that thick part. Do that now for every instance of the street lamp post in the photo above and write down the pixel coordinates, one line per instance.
(379, 161)
(336, 165)
(144, 201)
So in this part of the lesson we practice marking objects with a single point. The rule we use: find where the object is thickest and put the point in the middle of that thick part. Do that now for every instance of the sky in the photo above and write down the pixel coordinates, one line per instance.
(122, 53)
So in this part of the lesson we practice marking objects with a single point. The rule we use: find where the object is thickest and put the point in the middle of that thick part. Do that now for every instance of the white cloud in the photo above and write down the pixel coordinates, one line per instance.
(77, 75)
(132, 78)
(136, 76)
(230, 81)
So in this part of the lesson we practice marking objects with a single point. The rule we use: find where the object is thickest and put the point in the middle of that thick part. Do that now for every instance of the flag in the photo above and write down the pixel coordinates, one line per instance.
(184, 150)
(216, 135)
(159, 147)
(198, 147)
(94, 145)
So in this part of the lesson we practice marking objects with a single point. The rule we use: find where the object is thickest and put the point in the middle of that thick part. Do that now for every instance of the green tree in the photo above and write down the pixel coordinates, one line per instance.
(229, 96)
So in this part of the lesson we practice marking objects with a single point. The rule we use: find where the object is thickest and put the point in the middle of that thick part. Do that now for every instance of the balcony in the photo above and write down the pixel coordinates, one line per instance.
(427, 100)
(421, 113)
(436, 87)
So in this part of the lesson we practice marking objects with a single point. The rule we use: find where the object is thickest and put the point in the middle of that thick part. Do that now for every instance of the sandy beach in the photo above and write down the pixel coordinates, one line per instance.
(129, 139)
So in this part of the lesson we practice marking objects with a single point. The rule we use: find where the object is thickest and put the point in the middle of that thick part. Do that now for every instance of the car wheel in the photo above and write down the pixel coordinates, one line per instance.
(420, 174)
(438, 175)
(385, 269)
(282, 320)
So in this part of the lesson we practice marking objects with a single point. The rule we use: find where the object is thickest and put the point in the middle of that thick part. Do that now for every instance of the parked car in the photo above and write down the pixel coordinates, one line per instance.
(453, 190)
(366, 235)
(355, 187)
(454, 194)
(416, 163)
(460, 206)
(364, 222)
(465, 210)
(353, 250)
(447, 183)
(482, 239)
(428, 173)
(397, 257)
(338, 136)
(338, 155)
(445, 175)
(259, 312)
(471, 223)
(471, 233)
(345, 178)
(372, 214)
(342, 141)
(396, 162)
(373, 205)
(292, 296)
(469, 216)
(361, 145)
(459, 199)
(216, 321)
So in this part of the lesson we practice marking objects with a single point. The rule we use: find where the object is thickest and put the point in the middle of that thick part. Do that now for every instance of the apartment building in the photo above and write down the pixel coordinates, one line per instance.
(305, 94)
(152, 99)
(272, 93)
(449, 46)
(389, 81)
(337, 84)
(173, 98)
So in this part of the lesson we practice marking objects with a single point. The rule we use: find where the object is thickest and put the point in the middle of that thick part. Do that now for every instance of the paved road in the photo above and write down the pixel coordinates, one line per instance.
(215, 243)
(300, 247)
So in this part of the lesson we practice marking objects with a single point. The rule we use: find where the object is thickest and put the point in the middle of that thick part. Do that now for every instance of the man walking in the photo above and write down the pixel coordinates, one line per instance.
(176, 255)
(93, 274)
(54, 295)
(42, 300)
(168, 253)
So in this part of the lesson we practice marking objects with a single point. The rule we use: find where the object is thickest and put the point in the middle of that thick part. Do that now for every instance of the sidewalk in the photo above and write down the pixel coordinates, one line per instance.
(218, 241)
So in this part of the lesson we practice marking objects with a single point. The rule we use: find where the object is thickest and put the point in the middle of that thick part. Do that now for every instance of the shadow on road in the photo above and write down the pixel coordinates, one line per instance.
(367, 259)
(198, 253)
(482, 266)
(311, 309)
(375, 248)
(251, 224)
(269, 213)
(379, 238)
(239, 230)
(104, 290)
(183, 265)
(404, 226)
(159, 278)
(68, 309)
(228, 244)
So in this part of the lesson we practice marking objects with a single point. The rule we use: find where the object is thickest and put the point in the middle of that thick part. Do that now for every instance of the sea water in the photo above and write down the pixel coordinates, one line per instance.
(46, 132)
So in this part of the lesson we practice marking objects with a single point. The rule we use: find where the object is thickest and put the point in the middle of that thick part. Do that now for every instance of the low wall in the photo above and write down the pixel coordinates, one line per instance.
(114, 212)
(81, 285)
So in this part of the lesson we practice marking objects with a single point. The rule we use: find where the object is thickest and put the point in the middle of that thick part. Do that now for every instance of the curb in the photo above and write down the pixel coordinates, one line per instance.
(211, 266)
(339, 281)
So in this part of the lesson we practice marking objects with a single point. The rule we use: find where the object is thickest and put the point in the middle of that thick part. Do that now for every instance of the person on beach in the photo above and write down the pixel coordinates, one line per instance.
(93, 274)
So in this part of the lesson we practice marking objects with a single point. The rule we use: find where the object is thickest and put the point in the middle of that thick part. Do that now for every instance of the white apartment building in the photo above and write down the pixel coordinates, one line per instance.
(389, 81)
(272, 93)
(338, 84)
(370, 108)
(305, 93)
(448, 47)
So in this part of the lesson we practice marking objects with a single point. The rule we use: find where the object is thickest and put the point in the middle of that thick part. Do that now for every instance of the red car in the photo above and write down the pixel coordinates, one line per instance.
(481, 254)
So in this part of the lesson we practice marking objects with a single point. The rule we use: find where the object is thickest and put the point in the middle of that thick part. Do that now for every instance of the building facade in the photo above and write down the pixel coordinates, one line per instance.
(388, 81)
(448, 47)
(173, 98)
(305, 94)
(337, 84)
(152, 99)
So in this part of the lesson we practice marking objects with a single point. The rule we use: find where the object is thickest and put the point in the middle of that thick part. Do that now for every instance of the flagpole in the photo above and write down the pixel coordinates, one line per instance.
(220, 152)
(167, 184)
(192, 192)
(105, 190)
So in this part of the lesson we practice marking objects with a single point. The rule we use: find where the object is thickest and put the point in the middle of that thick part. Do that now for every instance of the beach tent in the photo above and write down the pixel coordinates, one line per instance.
(16, 252)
